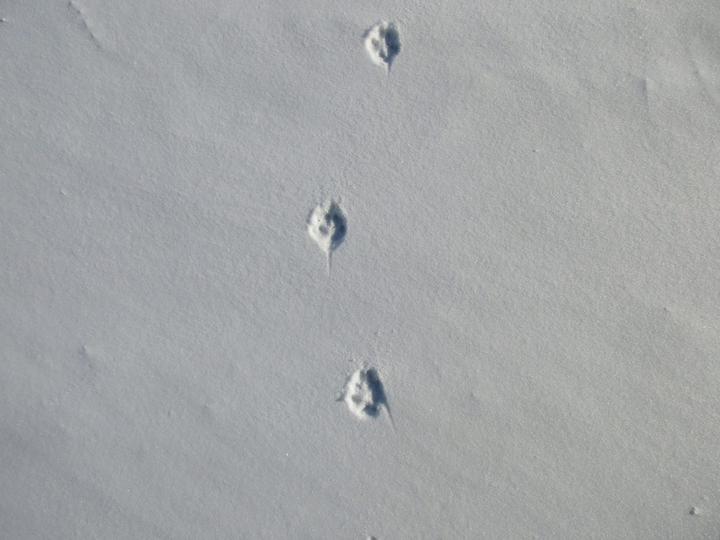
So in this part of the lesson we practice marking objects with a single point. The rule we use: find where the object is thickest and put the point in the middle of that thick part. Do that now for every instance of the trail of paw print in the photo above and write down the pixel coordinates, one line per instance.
(327, 226)
(364, 394)
(382, 42)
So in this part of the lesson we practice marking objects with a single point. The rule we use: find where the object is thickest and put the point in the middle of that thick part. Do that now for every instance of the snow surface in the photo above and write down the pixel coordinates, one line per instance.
(531, 264)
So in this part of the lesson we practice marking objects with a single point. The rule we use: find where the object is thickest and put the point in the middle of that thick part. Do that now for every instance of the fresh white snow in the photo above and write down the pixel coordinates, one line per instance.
(531, 262)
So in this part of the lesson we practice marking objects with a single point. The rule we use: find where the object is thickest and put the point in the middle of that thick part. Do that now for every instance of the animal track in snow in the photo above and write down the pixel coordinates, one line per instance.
(382, 42)
(327, 226)
(364, 394)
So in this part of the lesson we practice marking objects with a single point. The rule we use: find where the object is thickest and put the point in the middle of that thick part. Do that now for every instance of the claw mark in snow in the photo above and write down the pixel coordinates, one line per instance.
(382, 42)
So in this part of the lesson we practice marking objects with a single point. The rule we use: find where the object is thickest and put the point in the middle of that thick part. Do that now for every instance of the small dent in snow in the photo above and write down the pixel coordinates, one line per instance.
(382, 42)
(87, 364)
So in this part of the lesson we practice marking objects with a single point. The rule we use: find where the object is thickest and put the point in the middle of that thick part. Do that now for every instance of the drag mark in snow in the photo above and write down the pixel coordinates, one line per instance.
(382, 42)
(704, 51)
(364, 394)
(79, 13)
(327, 226)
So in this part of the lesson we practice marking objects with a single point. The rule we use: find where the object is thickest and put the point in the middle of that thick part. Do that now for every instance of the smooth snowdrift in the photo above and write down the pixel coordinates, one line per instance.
(530, 263)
